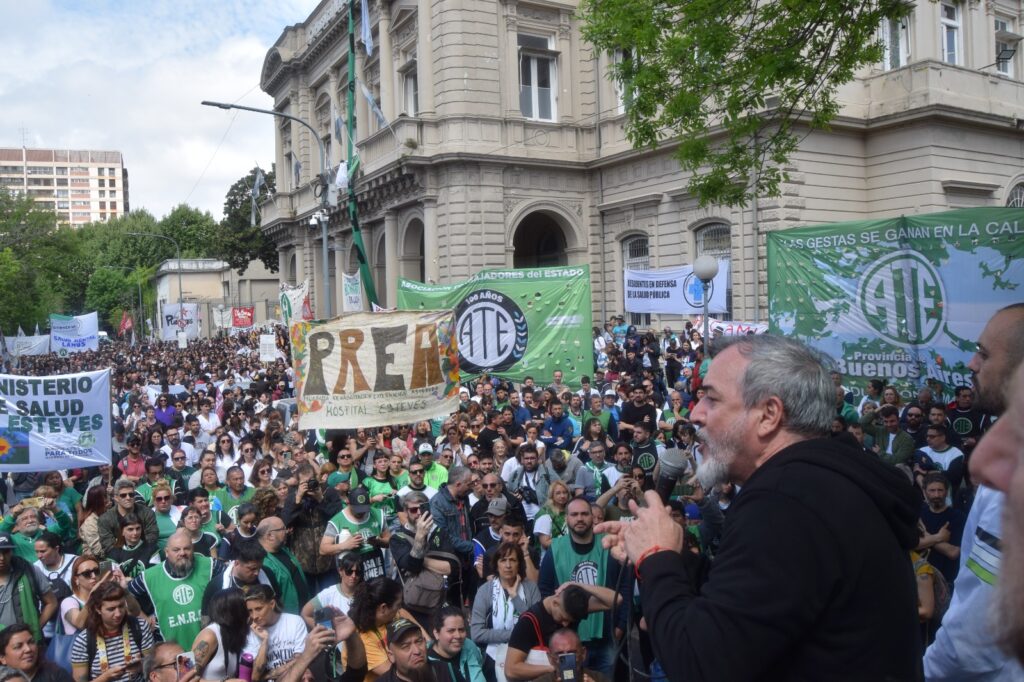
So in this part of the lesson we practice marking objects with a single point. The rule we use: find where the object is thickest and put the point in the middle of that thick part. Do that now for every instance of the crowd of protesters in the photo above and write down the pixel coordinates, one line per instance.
(460, 548)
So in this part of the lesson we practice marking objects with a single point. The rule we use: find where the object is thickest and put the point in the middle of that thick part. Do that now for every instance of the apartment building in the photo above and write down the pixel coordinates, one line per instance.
(79, 185)
(506, 146)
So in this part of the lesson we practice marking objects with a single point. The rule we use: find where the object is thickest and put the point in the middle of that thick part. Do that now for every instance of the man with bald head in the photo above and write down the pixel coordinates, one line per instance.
(282, 565)
(966, 646)
(173, 590)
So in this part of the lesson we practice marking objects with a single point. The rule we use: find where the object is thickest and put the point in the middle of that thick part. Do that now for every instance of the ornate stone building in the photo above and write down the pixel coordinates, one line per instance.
(506, 146)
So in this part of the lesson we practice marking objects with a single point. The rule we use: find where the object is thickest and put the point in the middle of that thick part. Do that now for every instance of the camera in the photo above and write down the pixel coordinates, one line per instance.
(528, 495)
(312, 485)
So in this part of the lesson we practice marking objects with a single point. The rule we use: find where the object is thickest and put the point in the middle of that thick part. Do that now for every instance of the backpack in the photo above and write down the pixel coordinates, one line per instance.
(133, 628)
(61, 588)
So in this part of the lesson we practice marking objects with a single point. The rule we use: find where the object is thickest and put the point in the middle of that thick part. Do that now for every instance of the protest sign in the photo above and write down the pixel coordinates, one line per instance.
(674, 291)
(172, 322)
(74, 334)
(352, 293)
(729, 327)
(515, 323)
(242, 316)
(295, 302)
(373, 369)
(904, 299)
(30, 345)
(221, 317)
(54, 422)
(268, 348)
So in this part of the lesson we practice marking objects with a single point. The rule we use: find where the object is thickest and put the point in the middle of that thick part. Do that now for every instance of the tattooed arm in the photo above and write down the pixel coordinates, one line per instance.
(204, 648)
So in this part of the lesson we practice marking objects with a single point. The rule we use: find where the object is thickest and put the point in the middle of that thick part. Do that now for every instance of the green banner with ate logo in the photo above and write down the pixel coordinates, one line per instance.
(903, 299)
(516, 323)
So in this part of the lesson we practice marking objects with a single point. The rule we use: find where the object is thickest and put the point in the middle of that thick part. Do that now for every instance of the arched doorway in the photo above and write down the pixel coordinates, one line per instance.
(411, 263)
(539, 241)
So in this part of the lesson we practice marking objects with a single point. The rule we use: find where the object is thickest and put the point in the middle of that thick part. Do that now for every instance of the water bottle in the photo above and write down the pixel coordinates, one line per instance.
(245, 667)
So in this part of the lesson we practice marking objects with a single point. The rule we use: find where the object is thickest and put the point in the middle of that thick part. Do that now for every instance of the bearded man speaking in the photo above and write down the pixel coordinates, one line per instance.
(813, 578)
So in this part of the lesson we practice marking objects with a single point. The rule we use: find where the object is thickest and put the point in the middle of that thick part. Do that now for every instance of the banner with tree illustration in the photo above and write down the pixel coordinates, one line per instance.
(903, 299)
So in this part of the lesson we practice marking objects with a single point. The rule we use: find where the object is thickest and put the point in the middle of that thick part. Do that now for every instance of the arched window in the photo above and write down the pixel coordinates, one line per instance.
(636, 256)
(715, 239)
(1016, 196)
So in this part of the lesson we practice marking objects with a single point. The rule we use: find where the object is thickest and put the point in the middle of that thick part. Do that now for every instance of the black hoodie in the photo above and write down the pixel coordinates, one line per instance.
(812, 581)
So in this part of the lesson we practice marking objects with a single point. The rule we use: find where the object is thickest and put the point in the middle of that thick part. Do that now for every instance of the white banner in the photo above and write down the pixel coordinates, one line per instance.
(29, 345)
(268, 348)
(221, 318)
(74, 334)
(171, 323)
(54, 422)
(295, 302)
(674, 291)
(730, 327)
(351, 293)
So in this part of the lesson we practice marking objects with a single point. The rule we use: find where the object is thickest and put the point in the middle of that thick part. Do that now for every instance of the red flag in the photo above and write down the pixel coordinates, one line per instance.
(242, 316)
(126, 324)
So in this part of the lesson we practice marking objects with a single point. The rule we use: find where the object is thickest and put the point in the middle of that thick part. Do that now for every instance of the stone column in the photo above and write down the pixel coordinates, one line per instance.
(387, 65)
(424, 59)
(430, 266)
(390, 257)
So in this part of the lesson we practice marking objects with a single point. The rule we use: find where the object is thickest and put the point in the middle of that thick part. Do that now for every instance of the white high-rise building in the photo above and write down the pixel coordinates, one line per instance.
(79, 185)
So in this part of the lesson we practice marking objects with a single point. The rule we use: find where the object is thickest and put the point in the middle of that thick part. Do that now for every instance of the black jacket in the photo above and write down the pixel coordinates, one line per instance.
(813, 579)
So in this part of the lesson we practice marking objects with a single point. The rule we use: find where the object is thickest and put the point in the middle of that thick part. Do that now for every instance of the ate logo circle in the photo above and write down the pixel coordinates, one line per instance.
(903, 298)
(491, 331)
(183, 595)
(585, 573)
(963, 426)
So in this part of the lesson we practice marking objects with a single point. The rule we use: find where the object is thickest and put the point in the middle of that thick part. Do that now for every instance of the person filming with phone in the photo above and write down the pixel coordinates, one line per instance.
(568, 657)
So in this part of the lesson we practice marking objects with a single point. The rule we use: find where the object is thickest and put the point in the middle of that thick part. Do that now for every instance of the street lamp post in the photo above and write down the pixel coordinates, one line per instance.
(321, 215)
(705, 268)
(139, 284)
(177, 250)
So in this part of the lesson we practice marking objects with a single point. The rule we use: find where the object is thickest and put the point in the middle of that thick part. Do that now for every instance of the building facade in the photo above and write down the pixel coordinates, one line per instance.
(507, 146)
(215, 286)
(79, 185)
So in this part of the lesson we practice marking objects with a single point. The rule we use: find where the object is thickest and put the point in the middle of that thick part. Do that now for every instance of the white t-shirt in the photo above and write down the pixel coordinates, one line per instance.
(63, 571)
(285, 639)
(65, 607)
(209, 423)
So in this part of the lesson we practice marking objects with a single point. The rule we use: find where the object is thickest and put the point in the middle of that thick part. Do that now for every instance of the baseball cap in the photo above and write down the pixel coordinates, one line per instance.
(425, 447)
(399, 628)
(693, 512)
(6, 542)
(337, 477)
(498, 507)
(610, 391)
(359, 501)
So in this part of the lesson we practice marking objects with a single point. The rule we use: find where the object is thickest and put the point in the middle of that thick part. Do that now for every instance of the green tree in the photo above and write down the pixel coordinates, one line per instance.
(19, 305)
(195, 231)
(109, 292)
(239, 242)
(731, 79)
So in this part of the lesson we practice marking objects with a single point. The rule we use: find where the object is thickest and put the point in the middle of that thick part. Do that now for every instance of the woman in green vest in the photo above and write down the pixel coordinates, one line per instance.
(131, 552)
(202, 542)
(381, 487)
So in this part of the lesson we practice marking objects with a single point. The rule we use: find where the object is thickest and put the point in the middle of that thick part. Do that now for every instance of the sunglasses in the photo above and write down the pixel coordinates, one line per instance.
(162, 498)
(264, 471)
(414, 472)
(344, 456)
(125, 496)
(178, 459)
(490, 485)
(413, 510)
(354, 571)
(90, 573)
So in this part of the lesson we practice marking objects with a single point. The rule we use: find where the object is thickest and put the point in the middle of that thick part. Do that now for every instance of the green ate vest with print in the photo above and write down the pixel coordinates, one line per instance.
(178, 601)
(589, 569)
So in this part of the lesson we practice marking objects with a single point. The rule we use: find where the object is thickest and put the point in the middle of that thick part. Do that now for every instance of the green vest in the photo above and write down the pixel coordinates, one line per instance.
(177, 602)
(166, 526)
(589, 569)
(436, 476)
(375, 487)
(373, 526)
(288, 593)
(211, 525)
(229, 502)
(605, 417)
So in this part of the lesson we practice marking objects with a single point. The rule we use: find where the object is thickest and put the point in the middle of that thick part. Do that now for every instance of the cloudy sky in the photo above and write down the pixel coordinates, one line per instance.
(129, 76)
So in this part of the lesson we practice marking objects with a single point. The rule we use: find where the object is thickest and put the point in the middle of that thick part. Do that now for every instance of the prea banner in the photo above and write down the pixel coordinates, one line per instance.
(373, 369)
(242, 316)
(29, 345)
(74, 334)
(54, 422)
(903, 300)
(515, 323)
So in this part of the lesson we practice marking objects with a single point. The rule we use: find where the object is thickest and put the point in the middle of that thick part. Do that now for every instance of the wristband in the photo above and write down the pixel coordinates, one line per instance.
(643, 557)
